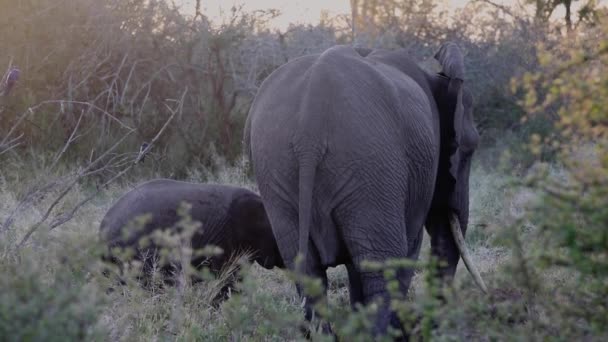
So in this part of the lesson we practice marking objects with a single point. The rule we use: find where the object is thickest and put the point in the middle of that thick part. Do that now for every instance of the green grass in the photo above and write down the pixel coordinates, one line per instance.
(53, 287)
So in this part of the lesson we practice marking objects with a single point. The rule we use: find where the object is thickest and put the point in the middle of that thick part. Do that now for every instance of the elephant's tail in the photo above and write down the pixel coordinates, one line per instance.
(246, 145)
(306, 185)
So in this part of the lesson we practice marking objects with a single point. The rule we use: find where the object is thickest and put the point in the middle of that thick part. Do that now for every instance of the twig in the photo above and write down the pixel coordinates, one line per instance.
(91, 105)
(67, 217)
(61, 219)
(503, 8)
(574, 63)
(26, 201)
(41, 189)
(15, 125)
(6, 147)
(68, 143)
(34, 227)
(507, 11)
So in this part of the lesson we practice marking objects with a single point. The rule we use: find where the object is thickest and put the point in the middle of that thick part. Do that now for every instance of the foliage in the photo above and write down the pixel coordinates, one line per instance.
(382, 23)
(254, 314)
(266, 306)
(543, 9)
(572, 216)
(542, 248)
(40, 304)
(119, 61)
(112, 62)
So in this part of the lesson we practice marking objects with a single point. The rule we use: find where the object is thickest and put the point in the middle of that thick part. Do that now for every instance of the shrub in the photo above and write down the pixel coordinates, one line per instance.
(572, 215)
(42, 301)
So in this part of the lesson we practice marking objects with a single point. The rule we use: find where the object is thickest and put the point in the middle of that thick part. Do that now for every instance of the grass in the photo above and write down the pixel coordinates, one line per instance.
(55, 279)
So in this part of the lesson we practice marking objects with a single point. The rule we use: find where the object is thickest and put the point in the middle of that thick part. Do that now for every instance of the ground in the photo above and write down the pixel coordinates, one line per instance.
(66, 259)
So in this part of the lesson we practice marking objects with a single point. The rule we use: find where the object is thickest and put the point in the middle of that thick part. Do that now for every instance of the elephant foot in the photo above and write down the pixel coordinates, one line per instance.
(415, 333)
(223, 295)
(324, 328)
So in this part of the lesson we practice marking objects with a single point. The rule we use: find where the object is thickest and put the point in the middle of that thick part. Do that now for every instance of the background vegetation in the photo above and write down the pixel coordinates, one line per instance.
(85, 83)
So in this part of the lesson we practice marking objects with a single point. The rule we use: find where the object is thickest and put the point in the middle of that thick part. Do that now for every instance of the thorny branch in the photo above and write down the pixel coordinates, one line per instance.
(69, 142)
(9, 142)
(90, 169)
(503, 8)
(522, 21)
(40, 189)
(67, 189)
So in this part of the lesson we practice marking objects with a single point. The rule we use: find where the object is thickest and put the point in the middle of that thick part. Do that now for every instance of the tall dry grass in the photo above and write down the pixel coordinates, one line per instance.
(266, 306)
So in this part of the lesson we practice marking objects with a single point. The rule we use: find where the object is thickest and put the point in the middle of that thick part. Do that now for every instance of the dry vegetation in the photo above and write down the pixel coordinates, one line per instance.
(99, 95)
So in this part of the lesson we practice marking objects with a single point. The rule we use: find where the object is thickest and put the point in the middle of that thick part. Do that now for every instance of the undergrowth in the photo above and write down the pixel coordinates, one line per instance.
(62, 291)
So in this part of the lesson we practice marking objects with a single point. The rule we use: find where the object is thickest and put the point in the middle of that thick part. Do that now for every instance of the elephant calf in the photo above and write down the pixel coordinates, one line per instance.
(231, 218)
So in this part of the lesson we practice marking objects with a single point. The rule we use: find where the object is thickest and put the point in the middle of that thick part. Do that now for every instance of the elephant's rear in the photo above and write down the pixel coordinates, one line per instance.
(271, 122)
(355, 151)
(327, 113)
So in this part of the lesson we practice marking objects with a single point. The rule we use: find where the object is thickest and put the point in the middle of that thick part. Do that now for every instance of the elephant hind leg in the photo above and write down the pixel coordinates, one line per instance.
(355, 286)
(283, 217)
(375, 231)
(317, 271)
(284, 222)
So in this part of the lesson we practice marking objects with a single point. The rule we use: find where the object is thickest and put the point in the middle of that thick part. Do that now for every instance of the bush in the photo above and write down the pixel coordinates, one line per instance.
(119, 63)
(572, 214)
(40, 304)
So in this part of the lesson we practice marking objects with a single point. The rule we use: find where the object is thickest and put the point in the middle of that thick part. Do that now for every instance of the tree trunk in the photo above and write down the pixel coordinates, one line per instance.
(568, 4)
(354, 7)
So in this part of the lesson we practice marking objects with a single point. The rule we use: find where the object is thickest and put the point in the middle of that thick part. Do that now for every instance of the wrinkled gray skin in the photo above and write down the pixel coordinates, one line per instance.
(354, 151)
(232, 218)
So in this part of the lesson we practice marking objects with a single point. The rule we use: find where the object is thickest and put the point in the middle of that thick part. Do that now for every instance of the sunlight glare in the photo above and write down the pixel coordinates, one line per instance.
(292, 11)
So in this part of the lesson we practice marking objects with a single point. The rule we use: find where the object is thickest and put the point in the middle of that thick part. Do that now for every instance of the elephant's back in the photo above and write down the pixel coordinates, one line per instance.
(273, 112)
(315, 98)
(273, 120)
(160, 200)
(366, 114)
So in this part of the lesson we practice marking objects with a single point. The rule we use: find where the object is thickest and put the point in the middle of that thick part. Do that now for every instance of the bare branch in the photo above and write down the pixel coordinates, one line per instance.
(93, 106)
(4, 144)
(28, 200)
(69, 142)
(34, 227)
(65, 217)
(10, 145)
(523, 23)
(503, 8)
(39, 190)
(15, 125)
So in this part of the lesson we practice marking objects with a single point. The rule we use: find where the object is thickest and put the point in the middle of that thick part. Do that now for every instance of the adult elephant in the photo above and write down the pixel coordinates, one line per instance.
(354, 151)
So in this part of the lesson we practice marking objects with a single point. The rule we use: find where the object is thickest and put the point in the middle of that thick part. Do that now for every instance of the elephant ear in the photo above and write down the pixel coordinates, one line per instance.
(452, 63)
(451, 60)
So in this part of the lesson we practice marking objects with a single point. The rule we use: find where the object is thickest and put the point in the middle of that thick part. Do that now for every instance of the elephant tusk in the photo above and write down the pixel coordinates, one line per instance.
(464, 254)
